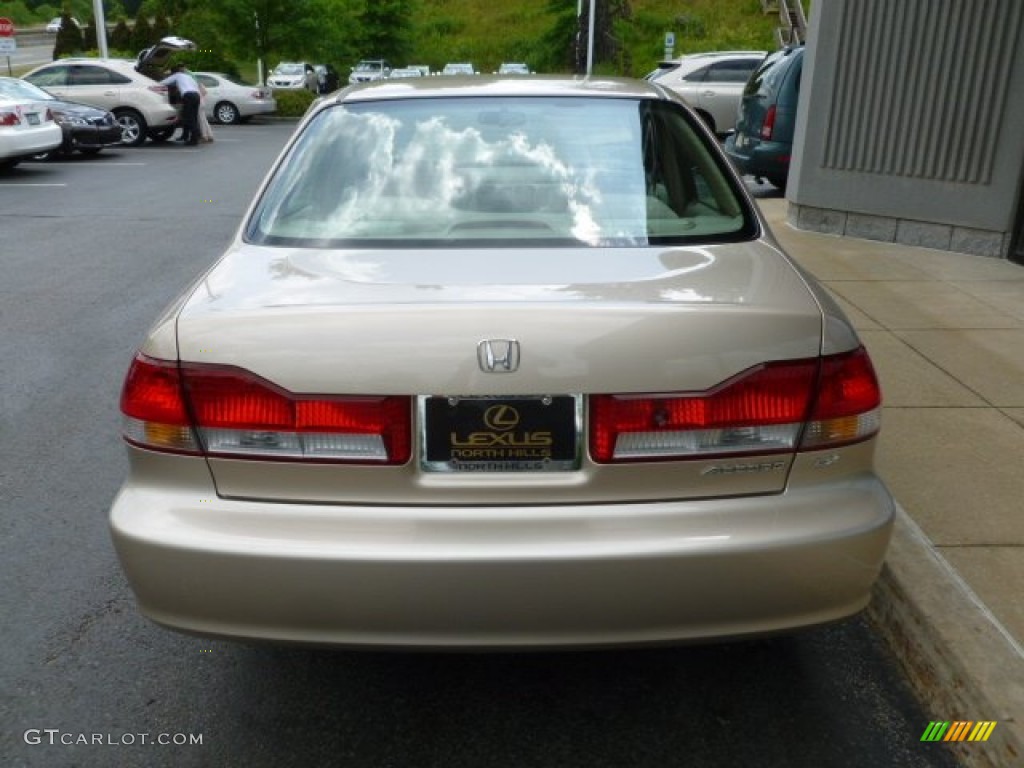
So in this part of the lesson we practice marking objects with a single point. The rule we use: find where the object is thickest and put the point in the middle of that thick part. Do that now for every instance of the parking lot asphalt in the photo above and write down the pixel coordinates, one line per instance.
(946, 333)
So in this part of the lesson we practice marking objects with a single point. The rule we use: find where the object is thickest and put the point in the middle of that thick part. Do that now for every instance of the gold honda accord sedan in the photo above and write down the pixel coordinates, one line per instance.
(501, 363)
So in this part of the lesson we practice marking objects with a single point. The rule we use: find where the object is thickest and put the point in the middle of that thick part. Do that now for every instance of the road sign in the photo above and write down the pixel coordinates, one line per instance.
(8, 45)
(6, 27)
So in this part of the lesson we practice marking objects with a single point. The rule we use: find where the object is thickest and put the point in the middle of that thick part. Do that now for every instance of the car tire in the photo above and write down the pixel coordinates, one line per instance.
(779, 182)
(226, 113)
(6, 165)
(709, 121)
(133, 127)
(161, 135)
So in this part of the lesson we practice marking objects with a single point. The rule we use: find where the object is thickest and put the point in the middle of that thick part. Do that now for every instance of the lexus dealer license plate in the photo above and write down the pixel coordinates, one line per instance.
(501, 434)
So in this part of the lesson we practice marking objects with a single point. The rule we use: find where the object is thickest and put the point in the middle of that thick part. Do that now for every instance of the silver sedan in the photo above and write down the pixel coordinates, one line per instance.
(230, 101)
(501, 363)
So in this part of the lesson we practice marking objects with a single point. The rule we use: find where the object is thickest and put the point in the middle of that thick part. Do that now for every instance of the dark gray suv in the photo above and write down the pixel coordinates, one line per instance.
(763, 142)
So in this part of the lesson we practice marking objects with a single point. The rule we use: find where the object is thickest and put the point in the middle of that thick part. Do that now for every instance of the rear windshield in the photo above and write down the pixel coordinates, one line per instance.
(500, 172)
(767, 77)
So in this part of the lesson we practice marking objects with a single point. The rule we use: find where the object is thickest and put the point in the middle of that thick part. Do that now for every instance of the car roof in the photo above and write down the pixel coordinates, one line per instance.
(487, 85)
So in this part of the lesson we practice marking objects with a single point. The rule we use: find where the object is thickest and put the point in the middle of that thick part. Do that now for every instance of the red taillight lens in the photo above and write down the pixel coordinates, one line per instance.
(153, 405)
(768, 126)
(9, 119)
(848, 403)
(758, 411)
(239, 414)
(152, 392)
(762, 410)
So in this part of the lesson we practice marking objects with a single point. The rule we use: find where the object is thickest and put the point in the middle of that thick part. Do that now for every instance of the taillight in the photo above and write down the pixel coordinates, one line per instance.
(235, 413)
(768, 126)
(762, 410)
(9, 119)
(161, 89)
(153, 405)
(848, 403)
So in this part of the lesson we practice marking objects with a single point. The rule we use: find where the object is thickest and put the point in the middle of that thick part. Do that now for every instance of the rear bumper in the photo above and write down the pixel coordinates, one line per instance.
(251, 108)
(501, 577)
(766, 158)
(30, 141)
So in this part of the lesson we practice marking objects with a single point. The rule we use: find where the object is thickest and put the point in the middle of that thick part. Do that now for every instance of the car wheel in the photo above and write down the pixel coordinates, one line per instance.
(133, 127)
(8, 164)
(161, 135)
(226, 113)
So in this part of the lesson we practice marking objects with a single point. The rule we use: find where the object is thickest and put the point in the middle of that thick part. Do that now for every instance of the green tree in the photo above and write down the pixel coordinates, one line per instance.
(309, 30)
(557, 52)
(142, 33)
(20, 14)
(385, 28)
(69, 38)
(121, 37)
(607, 46)
(161, 27)
(91, 41)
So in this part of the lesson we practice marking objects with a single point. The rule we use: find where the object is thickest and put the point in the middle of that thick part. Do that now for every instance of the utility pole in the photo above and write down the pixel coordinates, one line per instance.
(590, 39)
(101, 27)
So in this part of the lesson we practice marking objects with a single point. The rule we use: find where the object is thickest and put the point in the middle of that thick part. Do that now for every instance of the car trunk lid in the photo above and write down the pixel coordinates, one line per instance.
(411, 323)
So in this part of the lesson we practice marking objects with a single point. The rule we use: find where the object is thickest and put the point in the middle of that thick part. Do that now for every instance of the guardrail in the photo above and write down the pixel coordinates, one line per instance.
(34, 37)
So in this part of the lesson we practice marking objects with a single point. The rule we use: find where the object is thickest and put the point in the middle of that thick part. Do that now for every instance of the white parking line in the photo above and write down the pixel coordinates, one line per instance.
(100, 164)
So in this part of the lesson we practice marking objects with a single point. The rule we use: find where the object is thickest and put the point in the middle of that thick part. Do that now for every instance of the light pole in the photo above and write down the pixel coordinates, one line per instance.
(590, 35)
(101, 27)
(590, 39)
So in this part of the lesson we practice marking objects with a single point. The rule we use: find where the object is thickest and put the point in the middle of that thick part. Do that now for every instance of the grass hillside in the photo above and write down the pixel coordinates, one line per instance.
(487, 32)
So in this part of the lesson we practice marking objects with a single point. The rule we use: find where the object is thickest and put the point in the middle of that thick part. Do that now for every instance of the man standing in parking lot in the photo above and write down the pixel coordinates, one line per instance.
(189, 90)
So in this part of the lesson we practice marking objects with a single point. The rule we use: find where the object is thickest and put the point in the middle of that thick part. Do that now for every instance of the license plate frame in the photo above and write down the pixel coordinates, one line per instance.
(504, 434)
(32, 118)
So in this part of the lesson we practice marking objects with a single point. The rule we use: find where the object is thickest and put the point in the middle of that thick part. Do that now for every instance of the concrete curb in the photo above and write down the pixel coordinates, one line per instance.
(963, 664)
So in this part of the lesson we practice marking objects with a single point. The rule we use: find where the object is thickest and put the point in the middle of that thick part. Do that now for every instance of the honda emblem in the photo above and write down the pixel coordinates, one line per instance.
(498, 355)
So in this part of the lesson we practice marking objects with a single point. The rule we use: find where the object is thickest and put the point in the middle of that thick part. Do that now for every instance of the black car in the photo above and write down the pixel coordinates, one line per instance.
(86, 129)
(328, 79)
(762, 145)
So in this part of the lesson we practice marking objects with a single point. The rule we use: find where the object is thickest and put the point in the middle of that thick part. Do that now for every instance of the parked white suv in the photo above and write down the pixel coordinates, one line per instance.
(293, 75)
(711, 83)
(120, 86)
(369, 70)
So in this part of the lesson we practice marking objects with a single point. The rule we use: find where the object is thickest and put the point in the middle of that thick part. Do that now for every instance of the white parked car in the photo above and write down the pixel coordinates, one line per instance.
(398, 74)
(458, 68)
(27, 128)
(369, 70)
(55, 23)
(513, 68)
(711, 83)
(230, 101)
(515, 364)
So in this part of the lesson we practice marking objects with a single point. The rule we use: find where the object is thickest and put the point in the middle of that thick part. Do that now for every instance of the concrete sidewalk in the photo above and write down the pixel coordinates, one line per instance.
(946, 333)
